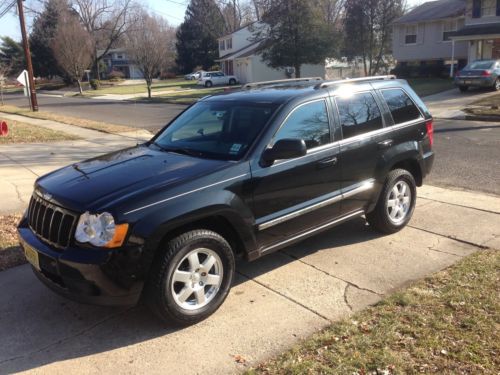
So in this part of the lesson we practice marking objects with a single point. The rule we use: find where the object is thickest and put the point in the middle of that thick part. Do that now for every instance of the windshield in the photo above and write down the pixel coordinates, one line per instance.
(221, 130)
(477, 65)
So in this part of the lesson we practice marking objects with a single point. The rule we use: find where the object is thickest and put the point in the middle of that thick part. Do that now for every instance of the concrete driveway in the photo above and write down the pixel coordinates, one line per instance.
(275, 301)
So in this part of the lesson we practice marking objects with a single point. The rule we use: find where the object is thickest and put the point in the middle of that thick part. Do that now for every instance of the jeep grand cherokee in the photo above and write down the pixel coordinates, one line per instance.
(239, 174)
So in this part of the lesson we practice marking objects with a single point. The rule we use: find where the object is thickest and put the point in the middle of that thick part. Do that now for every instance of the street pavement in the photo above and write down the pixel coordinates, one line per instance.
(275, 301)
(136, 114)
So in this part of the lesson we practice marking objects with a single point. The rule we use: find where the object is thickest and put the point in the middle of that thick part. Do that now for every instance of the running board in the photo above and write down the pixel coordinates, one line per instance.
(310, 232)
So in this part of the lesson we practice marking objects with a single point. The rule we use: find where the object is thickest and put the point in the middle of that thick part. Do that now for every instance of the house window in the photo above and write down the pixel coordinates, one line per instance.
(229, 43)
(498, 8)
(488, 8)
(119, 57)
(449, 27)
(411, 34)
(222, 45)
(476, 8)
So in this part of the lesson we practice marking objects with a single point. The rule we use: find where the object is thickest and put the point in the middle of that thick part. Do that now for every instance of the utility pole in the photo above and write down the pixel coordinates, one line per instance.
(27, 54)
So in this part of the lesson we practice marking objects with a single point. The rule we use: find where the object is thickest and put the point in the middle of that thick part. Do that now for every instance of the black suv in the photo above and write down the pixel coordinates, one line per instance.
(244, 173)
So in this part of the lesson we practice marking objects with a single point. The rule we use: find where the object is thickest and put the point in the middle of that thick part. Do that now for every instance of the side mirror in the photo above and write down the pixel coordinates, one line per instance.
(284, 149)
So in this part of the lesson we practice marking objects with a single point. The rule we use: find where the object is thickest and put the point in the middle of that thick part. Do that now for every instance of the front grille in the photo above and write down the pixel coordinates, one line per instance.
(52, 224)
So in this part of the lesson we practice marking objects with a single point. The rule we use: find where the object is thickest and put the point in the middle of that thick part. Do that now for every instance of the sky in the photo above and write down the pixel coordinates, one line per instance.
(172, 10)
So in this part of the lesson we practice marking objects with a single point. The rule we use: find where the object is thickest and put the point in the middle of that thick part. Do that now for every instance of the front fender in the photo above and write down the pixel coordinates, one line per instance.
(158, 222)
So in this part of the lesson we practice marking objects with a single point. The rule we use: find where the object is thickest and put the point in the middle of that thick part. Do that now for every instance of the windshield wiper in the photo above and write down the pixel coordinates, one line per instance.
(179, 150)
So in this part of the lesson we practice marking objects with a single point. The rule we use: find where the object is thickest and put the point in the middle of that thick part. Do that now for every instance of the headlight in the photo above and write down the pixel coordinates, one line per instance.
(100, 230)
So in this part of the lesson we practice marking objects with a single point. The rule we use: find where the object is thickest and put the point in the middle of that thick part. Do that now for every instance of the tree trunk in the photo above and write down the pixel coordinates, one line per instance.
(148, 83)
(79, 86)
(297, 70)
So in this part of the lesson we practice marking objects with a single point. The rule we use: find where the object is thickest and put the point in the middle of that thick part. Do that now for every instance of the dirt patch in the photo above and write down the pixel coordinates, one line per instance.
(488, 107)
(11, 254)
(20, 132)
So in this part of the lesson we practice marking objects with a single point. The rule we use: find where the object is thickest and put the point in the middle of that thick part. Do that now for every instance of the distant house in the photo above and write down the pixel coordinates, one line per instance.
(238, 55)
(481, 32)
(423, 36)
(118, 60)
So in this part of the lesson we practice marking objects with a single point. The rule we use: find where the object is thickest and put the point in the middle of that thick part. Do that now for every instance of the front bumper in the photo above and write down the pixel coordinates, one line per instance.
(474, 81)
(94, 276)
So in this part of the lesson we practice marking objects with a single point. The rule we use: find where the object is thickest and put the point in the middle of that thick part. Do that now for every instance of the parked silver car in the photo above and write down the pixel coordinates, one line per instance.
(194, 76)
(209, 79)
(480, 73)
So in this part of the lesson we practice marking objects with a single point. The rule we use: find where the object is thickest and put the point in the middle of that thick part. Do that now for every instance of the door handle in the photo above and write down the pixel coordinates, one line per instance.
(385, 144)
(327, 162)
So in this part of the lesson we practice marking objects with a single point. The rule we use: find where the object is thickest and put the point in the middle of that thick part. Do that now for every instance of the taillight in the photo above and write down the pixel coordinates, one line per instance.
(430, 131)
(486, 73)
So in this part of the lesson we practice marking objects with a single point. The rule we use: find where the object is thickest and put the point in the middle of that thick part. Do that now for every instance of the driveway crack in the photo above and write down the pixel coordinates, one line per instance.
(335, 277)
(345, 297)
(286, 297)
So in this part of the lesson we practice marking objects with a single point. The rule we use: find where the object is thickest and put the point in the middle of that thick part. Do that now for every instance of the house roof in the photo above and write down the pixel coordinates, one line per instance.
(238, 29)
(487, 29)
(240, 52)
(252, 51)
(434, 10)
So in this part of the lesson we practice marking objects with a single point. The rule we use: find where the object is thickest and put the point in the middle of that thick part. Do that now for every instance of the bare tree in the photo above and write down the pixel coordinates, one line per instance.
(4, 71)
(107, 21)
(151, 45)
(72, 48)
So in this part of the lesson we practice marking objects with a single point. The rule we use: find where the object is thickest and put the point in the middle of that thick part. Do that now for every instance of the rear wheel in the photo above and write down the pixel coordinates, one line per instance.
(396, 202)
(208, 84)
(463, 88)
(232, 82)
(191, 278)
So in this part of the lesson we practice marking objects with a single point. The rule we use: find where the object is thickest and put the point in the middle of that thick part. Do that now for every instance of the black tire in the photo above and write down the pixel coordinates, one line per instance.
(380, 218)
(160, 288)
(496, 85)
(463, 88)
(232, 82)
(208, 84)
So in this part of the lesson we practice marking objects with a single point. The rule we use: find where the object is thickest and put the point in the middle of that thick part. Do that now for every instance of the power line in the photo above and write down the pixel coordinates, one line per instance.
(7, 9)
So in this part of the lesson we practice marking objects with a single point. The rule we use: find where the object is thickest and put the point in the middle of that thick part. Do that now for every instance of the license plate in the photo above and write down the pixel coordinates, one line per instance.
(467, 82)
(31, 255)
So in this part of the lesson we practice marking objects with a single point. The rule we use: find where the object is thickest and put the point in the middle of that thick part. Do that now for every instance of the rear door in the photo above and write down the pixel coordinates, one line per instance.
(363, 136)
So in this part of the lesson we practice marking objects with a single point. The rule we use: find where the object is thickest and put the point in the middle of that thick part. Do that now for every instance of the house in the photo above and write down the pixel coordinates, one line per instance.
(239, 56)
(481, 32)
(118, 60)
(422, 38)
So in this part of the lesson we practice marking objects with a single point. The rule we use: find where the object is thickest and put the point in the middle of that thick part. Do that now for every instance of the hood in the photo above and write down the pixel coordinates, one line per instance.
(107, 179)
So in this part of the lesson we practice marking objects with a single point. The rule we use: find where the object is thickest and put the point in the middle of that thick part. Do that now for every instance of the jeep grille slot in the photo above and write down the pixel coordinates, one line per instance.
(52, 224)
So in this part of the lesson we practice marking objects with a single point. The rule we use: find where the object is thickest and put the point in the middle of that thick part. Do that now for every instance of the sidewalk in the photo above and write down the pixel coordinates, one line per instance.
(22, 164)
(275, 302)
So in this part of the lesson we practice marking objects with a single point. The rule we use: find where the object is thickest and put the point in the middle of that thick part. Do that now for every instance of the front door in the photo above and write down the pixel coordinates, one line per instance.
(297, 194)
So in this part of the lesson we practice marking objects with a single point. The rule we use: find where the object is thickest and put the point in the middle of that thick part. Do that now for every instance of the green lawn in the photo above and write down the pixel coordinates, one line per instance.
(141, 88)
(489, 106)
(430, 86)
(11, 254)
(445, 324)
(189, 97)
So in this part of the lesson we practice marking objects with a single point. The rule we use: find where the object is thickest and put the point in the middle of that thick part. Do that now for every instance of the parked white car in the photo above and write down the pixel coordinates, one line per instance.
(194, 76)
(209, 79)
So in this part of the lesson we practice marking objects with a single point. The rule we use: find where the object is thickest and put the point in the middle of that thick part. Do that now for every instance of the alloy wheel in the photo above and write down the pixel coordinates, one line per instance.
(197, 279)
(399, 202)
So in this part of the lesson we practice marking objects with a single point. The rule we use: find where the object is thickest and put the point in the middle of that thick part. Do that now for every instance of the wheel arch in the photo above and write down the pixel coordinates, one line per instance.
(412, 166)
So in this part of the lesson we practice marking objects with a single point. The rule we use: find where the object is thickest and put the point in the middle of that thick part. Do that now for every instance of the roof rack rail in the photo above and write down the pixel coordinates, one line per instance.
(277, 82)
(323, 85)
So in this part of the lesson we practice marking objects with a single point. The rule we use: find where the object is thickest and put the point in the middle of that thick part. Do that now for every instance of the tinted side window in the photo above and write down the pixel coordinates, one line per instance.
(308, 122)
(401, 106)
(359, 114)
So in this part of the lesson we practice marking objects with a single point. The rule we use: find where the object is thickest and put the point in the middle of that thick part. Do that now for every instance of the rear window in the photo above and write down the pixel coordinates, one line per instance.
(401, 106)
(477, 65)
(359, 114)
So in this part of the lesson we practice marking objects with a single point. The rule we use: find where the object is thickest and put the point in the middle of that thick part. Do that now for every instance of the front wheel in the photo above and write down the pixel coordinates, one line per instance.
(191, 277)
(232, 82)
(496, 86)
(208, 84)
(396, 203)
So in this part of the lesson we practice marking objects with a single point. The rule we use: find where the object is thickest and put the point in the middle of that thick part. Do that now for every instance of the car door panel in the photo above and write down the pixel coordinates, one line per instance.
(293, 195)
